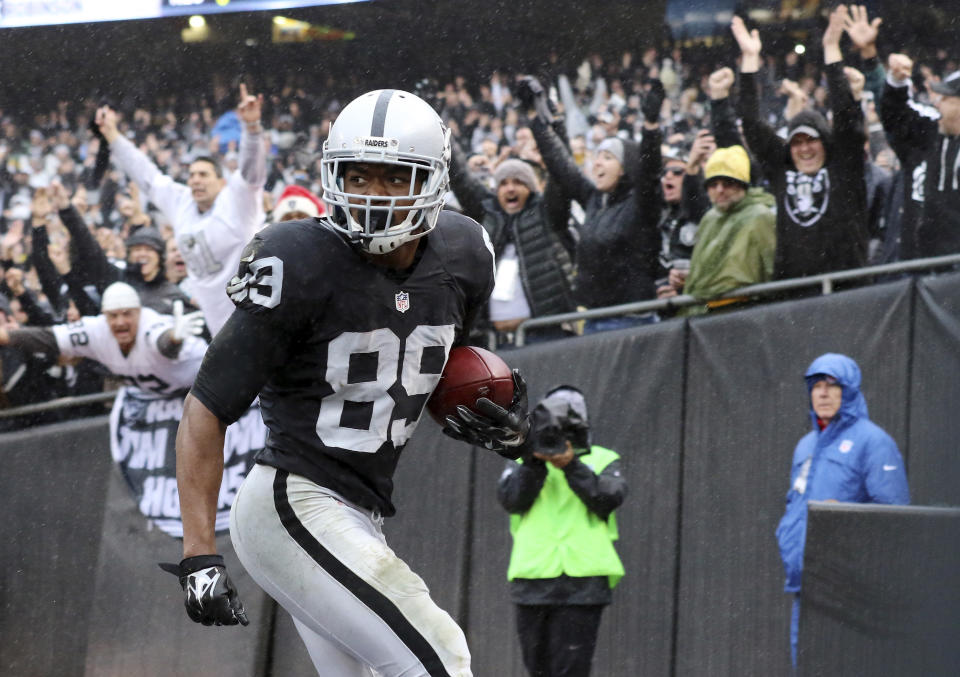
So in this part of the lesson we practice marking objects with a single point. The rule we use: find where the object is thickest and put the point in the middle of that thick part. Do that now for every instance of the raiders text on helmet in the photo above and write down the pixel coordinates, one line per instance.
(394, 127)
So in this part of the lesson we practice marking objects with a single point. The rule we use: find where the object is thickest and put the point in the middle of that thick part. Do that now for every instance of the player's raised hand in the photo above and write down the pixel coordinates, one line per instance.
(862, 31)
(59, 195)
(106, 121)
(184, 325)
(501, 430)
(209, 595)
(749, 41)
(653, 101)
(250, 106)
(856, 80)
(832, 34)
(900, 67)
(720, 82)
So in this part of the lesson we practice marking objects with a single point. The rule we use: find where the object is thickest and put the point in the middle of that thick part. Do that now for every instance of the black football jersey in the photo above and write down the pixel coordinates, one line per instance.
(350, 350)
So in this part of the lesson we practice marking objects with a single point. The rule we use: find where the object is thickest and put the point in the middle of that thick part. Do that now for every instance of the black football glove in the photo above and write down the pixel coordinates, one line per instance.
(501, 430)
(653, 101)
(210, 597)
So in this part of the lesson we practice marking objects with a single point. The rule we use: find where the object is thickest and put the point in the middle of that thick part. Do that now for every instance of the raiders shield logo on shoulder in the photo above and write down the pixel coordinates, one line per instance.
(403, 301)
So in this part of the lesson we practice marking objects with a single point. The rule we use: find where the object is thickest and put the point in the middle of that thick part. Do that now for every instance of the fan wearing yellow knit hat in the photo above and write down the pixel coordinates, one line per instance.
(737, 236)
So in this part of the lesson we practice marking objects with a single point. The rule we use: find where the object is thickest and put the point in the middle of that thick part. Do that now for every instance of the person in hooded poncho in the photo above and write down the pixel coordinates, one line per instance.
(736, 238)
(845, 457)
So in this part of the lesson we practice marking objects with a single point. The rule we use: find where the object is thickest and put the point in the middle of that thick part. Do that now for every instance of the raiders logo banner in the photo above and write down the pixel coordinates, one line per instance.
(143, 433)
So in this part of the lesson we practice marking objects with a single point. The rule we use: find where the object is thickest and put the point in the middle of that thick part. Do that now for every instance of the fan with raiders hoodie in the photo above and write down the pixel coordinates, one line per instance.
(926, 139)
(817, 174)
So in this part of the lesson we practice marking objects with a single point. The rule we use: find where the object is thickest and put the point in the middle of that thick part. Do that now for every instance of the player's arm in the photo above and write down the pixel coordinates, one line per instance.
(30, 340)
(210, 597)
(222, 392)
(242, 358)
(199, 474)
(495, 428)
(253, 154)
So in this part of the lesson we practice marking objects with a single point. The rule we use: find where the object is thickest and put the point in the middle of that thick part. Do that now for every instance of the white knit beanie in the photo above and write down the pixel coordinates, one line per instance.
(118, 296)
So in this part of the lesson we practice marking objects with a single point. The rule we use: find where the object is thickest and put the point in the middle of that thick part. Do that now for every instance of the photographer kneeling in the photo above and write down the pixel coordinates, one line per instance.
(563, 565)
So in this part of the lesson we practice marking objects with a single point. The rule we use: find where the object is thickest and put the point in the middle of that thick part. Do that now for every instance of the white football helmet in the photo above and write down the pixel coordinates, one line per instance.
(393, 127)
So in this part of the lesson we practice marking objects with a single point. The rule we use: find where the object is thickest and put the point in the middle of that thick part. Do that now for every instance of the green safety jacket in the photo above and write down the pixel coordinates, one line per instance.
(560, 535)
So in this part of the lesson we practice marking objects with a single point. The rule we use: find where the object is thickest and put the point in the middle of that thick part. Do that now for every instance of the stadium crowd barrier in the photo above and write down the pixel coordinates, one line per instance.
(871, 605)
(705, 413)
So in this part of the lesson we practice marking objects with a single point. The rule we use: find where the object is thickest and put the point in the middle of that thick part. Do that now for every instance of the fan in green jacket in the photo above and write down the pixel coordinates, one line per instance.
(563, 565)
(736, 239)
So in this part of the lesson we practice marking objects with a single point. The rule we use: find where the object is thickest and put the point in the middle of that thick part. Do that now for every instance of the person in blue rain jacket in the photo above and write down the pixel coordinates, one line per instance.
(845, 457)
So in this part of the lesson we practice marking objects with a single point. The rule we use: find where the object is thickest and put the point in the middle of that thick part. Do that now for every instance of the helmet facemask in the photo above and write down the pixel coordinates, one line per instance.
(379, 223)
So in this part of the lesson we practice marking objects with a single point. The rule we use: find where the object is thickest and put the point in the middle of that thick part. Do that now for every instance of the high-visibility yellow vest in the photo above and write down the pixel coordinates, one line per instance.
(559, 535)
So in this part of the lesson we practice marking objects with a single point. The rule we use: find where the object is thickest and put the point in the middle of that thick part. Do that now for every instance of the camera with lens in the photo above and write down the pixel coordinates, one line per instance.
(555, 422)
(550, 441)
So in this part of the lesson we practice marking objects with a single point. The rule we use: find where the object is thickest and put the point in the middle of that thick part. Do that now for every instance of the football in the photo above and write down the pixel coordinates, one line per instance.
(470, 373)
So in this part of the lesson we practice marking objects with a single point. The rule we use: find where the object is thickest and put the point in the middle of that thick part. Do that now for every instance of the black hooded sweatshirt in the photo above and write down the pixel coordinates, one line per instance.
(617, 251)
(821, 219)
(931, 168)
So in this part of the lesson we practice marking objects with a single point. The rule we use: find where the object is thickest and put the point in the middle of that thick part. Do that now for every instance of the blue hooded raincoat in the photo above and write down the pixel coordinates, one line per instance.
(851, 460)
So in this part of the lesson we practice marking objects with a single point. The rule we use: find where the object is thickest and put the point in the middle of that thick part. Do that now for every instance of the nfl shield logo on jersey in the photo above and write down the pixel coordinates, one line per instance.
(403, 301)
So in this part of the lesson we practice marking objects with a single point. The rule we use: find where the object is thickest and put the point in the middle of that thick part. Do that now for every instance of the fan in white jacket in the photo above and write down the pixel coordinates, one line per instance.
(213, 216)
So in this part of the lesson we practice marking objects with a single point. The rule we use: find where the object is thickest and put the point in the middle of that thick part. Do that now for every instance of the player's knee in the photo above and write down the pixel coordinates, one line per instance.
(393, 574)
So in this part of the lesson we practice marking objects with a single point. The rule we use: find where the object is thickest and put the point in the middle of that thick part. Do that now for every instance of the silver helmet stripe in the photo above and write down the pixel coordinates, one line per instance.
(380, 112)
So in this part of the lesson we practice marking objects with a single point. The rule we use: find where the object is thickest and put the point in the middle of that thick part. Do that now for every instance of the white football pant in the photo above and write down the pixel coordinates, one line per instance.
(356, 605)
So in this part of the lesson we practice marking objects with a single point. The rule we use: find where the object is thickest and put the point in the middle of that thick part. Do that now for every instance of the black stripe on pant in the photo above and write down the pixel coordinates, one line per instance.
(378, 603)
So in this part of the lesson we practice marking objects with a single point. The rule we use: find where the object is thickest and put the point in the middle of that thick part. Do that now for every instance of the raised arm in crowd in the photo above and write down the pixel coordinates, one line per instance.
(817, 174)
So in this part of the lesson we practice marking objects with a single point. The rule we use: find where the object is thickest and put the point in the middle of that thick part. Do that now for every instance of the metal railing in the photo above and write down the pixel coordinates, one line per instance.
(59, 403)
(825, 281)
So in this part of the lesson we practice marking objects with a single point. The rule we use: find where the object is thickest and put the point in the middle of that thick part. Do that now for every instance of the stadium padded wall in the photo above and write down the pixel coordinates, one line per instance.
(871, 605)
(705, 414)
(934, 467)
(746, 409)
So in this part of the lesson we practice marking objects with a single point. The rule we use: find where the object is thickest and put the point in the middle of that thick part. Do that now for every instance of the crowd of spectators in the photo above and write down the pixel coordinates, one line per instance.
(590, 183)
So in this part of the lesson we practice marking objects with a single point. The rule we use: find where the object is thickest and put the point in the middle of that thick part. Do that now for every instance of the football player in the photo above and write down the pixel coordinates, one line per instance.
(343, 327)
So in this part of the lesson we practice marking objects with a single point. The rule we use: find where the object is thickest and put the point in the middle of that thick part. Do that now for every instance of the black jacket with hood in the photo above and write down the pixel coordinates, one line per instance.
(617, 251)
(538, 231)
(91, 272)
(931, 167)
(821, 219)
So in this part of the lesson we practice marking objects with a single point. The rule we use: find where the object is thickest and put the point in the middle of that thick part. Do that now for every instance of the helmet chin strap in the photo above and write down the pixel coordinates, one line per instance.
(381, 237)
